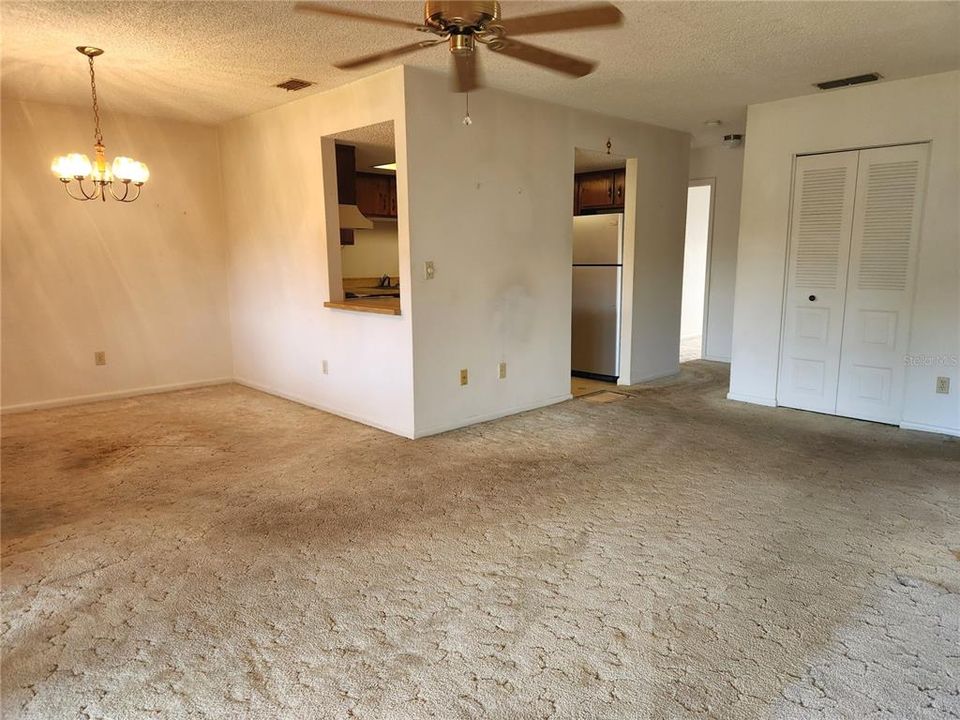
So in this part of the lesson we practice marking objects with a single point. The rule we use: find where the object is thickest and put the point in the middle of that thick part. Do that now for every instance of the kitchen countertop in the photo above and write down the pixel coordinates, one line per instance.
(378, 305)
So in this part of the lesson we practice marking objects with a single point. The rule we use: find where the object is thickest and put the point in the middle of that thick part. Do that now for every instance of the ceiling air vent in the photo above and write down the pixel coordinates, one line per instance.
(846, 82)
(293, 84)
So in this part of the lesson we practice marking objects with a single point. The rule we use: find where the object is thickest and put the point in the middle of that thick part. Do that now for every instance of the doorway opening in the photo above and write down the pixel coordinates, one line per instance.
(597, 271)
(696, 278)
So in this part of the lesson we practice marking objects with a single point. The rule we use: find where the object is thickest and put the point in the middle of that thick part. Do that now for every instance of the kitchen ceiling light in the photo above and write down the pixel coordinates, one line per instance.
(387, 166)
(76, 167)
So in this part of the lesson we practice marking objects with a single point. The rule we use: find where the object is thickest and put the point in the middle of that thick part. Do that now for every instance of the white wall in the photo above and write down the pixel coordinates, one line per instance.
(282, 269)
(145, 281)
(373, 253)
(695, 261)
(495, 218)
(725, 167)
(903, 111)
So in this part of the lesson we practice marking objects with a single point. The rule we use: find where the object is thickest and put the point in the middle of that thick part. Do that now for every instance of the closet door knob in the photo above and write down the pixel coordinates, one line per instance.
(812, 298)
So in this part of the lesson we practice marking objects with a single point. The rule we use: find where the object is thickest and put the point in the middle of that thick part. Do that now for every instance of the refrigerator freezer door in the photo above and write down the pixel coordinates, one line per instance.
(595, 340)
(597, 239)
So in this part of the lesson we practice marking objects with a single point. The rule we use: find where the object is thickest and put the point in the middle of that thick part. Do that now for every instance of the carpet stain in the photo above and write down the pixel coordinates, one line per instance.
(222, 553)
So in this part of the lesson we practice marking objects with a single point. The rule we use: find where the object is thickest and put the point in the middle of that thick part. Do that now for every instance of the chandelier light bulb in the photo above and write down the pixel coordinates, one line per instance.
(72, 166)
(124, 168)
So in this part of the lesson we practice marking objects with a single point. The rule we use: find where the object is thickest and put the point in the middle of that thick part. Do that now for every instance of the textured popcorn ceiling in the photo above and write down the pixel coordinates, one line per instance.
(589, 161)
(673, 63)
(374, 144)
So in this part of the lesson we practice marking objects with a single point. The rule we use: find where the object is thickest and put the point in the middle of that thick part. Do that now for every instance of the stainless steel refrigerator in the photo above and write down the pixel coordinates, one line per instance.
(597, 269)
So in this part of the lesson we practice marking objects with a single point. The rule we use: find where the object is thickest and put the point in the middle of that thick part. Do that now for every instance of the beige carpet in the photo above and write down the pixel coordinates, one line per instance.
(220, 553)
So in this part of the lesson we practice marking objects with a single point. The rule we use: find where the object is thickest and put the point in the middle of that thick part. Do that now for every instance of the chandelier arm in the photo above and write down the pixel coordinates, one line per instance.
(135, 196)
(126, 191)
(95, 193)
(81, 198)
(83, 192)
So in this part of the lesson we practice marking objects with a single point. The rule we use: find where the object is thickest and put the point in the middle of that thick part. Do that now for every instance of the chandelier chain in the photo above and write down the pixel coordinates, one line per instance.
(96, 107)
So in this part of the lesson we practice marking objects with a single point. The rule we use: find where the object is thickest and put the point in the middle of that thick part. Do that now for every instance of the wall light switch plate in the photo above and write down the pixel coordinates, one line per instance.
(502, 370)
(943, 385)
(428, 270)
(100, 357)
(464, 376)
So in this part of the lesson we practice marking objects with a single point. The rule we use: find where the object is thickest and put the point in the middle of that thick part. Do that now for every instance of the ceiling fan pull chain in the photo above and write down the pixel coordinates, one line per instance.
(466, 118)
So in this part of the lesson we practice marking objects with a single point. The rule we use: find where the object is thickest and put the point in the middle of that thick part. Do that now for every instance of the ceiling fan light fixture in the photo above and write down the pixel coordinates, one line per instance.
(462, 44)
(464, 23)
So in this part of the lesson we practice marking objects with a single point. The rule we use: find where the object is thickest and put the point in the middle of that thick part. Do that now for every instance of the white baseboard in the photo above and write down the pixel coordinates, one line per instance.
(654, 376)
(324, 408)
(444, 427)
(922, 427)
(753, 399)
(718, 358)
(112, 395)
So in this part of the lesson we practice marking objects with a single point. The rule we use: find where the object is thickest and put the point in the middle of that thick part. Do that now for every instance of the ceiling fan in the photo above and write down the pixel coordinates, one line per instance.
(464, 23)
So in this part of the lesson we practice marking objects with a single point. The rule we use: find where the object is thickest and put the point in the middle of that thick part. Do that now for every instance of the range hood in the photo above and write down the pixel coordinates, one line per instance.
(352, 219)
(350, 216)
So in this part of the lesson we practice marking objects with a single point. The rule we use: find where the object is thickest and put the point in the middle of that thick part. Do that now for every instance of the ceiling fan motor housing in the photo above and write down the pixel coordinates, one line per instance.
(455, 16)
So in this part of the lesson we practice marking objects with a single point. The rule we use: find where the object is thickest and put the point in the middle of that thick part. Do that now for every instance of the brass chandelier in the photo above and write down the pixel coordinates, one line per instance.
(76, 167)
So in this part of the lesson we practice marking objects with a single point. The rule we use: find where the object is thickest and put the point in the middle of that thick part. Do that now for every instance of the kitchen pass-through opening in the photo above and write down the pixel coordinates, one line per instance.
(367, 208)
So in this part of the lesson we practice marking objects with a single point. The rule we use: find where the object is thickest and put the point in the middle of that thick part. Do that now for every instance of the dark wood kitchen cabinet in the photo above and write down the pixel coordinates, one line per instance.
(377, 195)
(619, 187)
(595, 190)
(603, 190)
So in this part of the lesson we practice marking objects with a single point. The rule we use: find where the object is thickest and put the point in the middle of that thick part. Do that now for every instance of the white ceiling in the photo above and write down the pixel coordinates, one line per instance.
(676, 64)
(374, 143)
(590, 161)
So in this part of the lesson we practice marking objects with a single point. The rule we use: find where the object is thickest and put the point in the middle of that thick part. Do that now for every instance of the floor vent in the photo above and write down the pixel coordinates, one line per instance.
(293, 84)
(846, 82)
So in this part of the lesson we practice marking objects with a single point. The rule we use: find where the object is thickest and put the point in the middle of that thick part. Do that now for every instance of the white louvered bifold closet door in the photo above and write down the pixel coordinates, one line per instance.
(823, 197)
(883, 250)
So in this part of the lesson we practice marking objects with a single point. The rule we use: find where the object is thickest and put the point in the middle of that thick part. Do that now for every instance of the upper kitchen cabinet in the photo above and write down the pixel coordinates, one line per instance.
(619, 187)
(595, 190)
(603, 190)
(377, 195)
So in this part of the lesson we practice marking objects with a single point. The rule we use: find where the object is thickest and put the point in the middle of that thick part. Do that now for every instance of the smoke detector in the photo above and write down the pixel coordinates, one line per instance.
(732, 141)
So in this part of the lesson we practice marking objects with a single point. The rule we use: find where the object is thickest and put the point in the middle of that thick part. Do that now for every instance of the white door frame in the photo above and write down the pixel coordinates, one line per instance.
(710, 182)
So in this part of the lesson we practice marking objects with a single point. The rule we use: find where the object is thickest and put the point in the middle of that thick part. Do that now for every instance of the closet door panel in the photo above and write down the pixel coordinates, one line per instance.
(883, 251)
(823, 195)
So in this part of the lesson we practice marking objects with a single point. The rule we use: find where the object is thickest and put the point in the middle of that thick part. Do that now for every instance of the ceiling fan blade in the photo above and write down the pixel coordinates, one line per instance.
(566, 64)
(385, 54)
(601, 14)
(465, 72)
(323, 9)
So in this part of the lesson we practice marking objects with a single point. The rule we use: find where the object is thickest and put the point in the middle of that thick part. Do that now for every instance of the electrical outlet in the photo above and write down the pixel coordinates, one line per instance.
(100, 357)
(502, 370)
(943, 385)
(323, 367)
(464, 377)
(428, 270)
